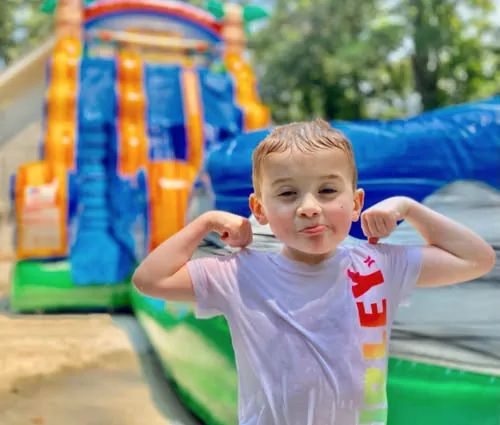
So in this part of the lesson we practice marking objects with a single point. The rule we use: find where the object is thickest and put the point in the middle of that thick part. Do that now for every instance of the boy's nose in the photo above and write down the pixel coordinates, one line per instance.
(308, 208)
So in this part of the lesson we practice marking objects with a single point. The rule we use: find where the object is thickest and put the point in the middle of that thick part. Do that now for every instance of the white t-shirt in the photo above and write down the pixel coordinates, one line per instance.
(310, 341)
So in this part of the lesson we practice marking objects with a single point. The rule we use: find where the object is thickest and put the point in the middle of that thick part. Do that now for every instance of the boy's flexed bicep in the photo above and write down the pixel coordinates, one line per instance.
(178, 287)
(441, 268)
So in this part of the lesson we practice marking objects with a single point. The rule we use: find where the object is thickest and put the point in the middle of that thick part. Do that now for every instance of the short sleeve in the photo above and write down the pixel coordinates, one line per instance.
(402, 269)
(214, 280)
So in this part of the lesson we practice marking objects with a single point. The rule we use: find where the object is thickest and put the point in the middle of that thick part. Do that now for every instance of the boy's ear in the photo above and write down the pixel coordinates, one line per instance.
(257, 209)
(359, 199)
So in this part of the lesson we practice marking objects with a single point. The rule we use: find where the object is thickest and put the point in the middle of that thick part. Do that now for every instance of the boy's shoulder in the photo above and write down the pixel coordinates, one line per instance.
(362, 248)
(242, 255)
(385, 252)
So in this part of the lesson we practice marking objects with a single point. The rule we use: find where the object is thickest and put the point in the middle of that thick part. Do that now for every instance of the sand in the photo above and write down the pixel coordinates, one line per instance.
(80, 370)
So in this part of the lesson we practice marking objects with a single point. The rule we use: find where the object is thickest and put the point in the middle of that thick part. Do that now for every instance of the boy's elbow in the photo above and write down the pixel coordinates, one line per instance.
(485, 261)
(141, 281)
(490, 259)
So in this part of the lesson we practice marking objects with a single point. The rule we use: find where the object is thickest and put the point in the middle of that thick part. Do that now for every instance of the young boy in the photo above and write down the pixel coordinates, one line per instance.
(310, 326)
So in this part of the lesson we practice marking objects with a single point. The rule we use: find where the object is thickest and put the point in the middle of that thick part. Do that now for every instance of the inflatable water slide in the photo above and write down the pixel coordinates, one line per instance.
(136, 92)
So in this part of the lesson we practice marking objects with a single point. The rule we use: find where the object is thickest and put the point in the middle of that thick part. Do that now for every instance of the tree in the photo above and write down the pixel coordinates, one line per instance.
(22, 26)
(451, 59)
(320, 58)
(374, 58)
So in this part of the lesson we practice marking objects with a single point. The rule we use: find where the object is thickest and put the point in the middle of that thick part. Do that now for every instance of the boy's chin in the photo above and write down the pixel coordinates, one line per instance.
(319, 252)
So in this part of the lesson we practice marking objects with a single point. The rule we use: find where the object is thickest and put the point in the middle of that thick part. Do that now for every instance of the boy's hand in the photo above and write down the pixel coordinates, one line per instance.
(381, 219)
(234, 230)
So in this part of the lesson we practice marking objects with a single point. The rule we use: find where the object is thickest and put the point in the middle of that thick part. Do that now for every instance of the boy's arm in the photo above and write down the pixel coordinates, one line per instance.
(164, 274)
(453, 253)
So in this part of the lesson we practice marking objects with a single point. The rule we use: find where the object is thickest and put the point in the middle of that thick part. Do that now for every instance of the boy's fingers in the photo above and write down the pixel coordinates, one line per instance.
(367, 227)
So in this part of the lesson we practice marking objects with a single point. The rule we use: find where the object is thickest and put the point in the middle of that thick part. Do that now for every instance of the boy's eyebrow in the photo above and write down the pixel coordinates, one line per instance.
(281, 180)
(287, 179)
(331, 177)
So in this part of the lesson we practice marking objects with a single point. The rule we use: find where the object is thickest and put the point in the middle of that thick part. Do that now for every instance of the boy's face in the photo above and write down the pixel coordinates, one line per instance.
(308, 201)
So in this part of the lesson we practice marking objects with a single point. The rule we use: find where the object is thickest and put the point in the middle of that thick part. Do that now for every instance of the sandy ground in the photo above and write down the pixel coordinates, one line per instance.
(79, 370)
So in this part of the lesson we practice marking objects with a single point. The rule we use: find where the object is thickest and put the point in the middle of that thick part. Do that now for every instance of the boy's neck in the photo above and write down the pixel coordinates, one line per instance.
(306, 258)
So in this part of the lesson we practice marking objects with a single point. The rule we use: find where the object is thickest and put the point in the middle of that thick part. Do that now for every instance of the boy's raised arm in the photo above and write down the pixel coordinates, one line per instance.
(453, 253)
(163, 273)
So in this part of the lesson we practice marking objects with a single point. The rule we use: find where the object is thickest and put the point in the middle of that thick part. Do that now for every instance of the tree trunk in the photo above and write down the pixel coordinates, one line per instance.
(426, 81)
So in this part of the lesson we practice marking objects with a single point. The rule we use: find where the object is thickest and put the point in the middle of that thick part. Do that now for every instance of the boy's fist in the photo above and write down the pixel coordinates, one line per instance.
(381, 219)
(234, 230)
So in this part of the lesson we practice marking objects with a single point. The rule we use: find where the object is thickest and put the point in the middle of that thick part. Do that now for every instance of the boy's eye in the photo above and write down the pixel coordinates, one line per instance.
(327, 191)
(287, 193)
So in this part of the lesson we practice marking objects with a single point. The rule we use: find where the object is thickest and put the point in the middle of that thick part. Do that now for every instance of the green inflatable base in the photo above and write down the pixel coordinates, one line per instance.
(197, 356)
(47, 287)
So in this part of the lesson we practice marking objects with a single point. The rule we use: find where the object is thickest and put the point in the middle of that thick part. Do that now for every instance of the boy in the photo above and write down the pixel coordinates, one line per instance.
(310, 325)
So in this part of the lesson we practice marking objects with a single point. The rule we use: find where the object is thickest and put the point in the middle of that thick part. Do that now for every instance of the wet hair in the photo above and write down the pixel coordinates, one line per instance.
(305, 137)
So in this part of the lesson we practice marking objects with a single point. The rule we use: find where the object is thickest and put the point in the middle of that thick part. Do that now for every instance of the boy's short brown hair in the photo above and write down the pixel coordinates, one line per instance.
(307, 136)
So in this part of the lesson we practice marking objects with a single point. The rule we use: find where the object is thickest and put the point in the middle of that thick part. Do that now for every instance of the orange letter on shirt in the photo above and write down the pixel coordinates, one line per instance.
(375, 318)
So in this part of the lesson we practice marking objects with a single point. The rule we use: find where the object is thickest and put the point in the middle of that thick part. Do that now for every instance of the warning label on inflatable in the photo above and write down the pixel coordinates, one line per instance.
(41, 219)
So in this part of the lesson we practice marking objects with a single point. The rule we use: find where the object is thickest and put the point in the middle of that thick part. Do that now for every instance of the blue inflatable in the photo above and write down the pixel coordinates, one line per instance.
(107, 204)
(410, 157)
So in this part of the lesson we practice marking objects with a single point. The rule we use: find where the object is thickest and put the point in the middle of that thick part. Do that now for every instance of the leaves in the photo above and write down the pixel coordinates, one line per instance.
(374, 58)
(216, 8)
(49, 6)
(253, 13)
(22, 27)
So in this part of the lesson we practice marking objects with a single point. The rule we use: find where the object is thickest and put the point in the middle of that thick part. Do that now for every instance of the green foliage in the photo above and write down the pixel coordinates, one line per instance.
(216, 8)
(374, 58)
(251, 12)
(49, 6)
(22, 27)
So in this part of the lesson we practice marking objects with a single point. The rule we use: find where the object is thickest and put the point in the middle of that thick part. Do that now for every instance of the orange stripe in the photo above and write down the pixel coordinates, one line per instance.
(168, 204)
(133, 142)
(255, 114)
(62, 103)
(193, 112)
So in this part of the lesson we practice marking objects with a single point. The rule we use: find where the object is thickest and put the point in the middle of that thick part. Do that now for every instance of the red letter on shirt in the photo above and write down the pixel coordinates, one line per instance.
(375, 318)
(363, 283)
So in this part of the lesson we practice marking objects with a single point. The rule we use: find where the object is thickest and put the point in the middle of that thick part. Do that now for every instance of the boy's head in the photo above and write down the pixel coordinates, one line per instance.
(305, 178)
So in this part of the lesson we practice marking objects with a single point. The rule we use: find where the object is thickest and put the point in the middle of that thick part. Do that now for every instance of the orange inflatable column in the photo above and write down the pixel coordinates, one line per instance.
(132, 140)
(256, 115)
(169, 186)
(193, 117)
(62, 103)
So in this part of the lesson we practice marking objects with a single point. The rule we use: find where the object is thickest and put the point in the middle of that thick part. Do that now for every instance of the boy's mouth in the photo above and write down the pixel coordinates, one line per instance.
(314, 230)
